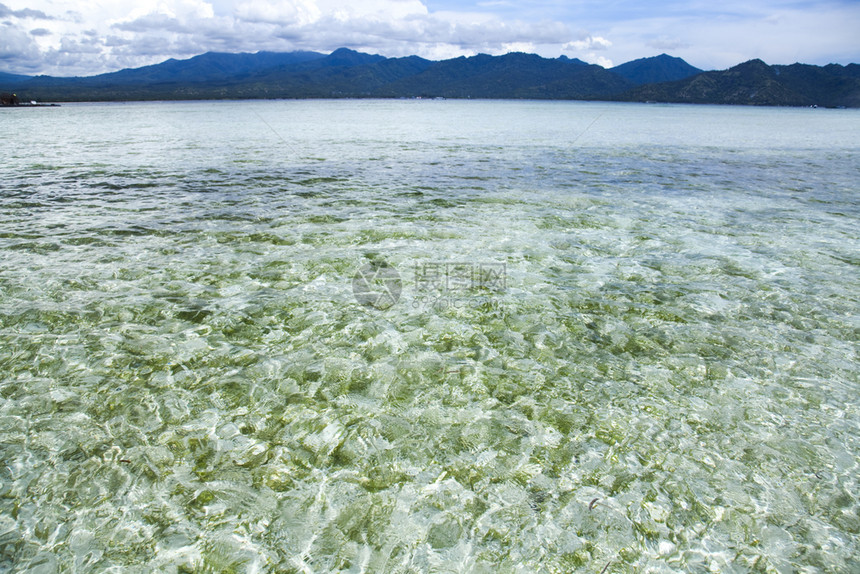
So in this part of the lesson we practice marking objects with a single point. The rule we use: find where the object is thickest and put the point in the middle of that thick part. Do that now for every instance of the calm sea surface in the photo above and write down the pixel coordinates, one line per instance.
(429, 336)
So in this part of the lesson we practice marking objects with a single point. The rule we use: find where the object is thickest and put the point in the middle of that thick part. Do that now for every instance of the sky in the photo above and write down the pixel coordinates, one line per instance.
(87, 37)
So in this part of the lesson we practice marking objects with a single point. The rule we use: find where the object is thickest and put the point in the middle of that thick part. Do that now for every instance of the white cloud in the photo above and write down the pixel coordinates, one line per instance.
(74, 37)
(586, 43)
(301, 12)
(24, 13)
(526, 47)
(129, 32)
(18, 50)
(381, 10)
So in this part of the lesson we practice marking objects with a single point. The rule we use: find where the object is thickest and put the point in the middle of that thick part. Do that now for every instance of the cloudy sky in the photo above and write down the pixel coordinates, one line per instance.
(84, 37)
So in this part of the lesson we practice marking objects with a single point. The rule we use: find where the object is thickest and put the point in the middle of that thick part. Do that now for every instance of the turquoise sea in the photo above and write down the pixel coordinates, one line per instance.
(429, 336)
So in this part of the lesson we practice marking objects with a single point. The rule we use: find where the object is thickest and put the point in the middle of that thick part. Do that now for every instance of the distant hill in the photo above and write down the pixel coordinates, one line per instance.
(343, 73)
(571, 60)
(662, 68)
(512, 76)
(209, 67)
(348, 73)
(756, 83)
(346, 58)
(165, 80)
(6, 79)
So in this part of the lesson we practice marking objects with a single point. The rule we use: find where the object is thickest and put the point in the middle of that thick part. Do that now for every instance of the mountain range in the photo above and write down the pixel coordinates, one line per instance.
(349, 74)
(756, 83)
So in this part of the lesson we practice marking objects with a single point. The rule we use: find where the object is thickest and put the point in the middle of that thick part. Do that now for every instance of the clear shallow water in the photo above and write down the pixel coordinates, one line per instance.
(665, 380)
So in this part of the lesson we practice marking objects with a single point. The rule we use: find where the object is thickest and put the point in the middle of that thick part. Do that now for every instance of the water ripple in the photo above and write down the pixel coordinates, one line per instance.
(666, 381)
